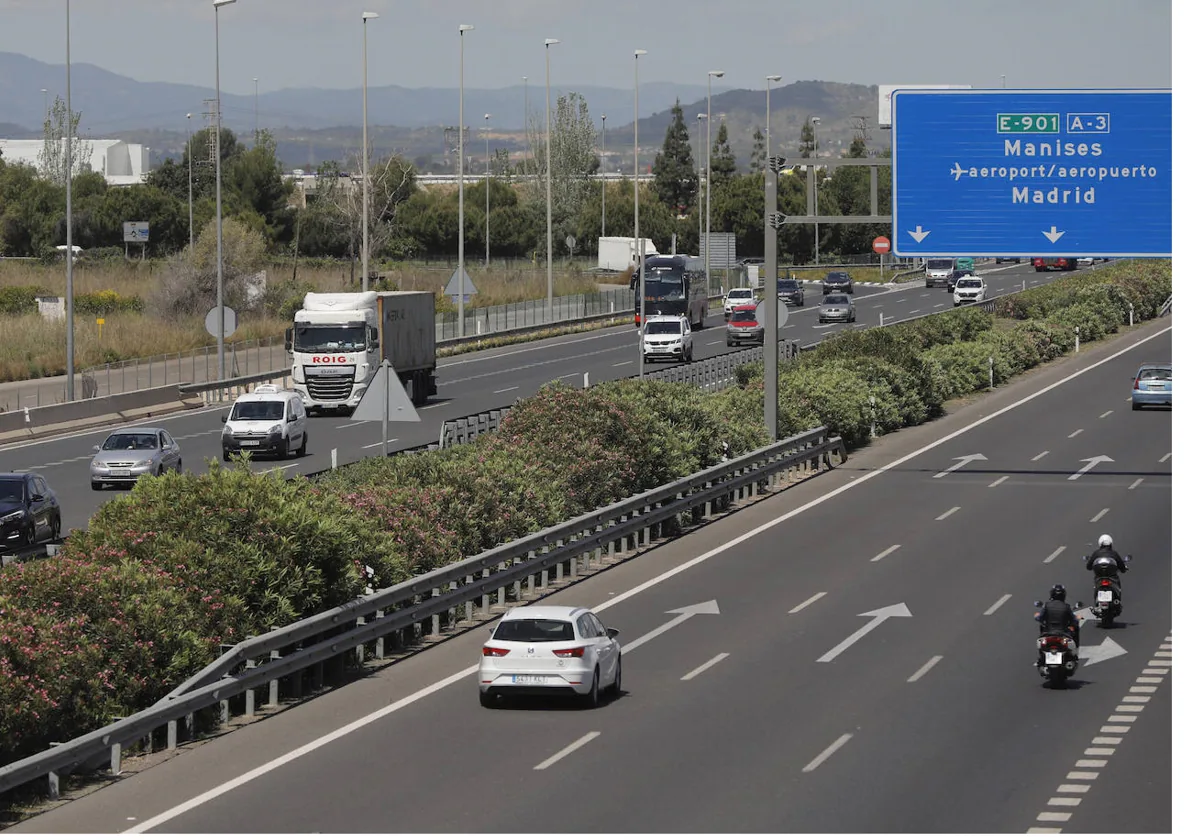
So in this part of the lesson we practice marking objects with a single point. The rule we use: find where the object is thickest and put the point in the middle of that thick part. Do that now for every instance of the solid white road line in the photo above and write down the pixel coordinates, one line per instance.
(809, 602)
(348, 425)
(924, 669)
(999, 481)
(992, 609)
(566, 751)
(618, 364)
(828, 751)
(697, 671)
(506, 390)
(1041, 456)
(948, 513)
(1100, 515)
(1057, 552)
(884, 553)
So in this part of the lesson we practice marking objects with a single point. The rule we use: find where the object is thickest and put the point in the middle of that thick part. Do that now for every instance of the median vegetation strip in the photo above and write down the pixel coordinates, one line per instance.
(186, 563)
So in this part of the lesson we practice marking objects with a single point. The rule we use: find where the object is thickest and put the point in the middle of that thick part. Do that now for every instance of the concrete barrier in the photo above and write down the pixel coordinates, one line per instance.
(34, 423)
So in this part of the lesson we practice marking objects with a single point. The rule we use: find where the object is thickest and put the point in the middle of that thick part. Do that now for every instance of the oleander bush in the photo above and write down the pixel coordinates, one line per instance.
(184, 564)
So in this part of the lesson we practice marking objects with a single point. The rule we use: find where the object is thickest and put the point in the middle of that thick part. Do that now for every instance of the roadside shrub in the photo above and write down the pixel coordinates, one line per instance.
(1091, 325)
(1049, 339)
(106, 302)
(20, 300)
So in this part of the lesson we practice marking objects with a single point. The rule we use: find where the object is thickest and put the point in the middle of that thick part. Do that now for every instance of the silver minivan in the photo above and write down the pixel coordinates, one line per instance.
(270, 421)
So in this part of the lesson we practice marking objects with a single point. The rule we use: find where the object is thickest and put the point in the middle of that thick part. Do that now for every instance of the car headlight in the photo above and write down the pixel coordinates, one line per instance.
(145, 462)
(274, 430)
(228, 430)
(13, 517)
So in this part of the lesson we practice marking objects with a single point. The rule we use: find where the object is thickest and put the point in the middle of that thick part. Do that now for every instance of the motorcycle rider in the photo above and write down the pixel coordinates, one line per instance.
(1102, 560)
(1056, 615)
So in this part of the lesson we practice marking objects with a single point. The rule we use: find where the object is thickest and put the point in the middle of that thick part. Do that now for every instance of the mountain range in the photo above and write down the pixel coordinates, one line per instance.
(313, 124)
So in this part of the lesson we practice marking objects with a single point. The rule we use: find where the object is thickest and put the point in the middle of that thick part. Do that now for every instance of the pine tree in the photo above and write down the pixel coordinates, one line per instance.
(808, 136)
(758, 155)
(724, 165)
(674, 170)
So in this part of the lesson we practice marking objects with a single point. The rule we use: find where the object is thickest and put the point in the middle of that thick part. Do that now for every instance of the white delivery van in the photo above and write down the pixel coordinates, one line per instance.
(271, 421)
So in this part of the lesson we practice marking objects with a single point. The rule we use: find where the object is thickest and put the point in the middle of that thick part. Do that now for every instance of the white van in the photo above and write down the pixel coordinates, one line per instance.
(269, 421)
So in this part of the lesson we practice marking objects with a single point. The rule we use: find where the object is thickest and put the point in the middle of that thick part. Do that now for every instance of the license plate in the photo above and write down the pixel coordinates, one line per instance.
(528, 679)
(1053, 658)
(249, 443)
(119, 473)
(1103, 596)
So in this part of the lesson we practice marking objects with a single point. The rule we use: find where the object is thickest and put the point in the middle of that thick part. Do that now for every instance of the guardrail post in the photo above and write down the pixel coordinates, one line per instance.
(501, 591)
(471, 603)
(360, 650)
(224, 713)
(172, 734)
(646, 529)
(273, 686)
(435, 624)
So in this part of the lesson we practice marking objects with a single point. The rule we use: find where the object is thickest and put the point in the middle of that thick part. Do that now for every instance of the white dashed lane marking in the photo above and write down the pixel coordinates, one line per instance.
(1105, 744)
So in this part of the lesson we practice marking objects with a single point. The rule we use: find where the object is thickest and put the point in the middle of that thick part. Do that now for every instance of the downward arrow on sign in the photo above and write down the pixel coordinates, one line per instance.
(919, 234)
(1054, 234)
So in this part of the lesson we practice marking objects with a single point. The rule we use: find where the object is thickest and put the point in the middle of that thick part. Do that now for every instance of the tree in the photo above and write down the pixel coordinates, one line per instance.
(57, 127)
(723, 163)
(675, 177)
(758, 155)
(256, 184)
(808, 139)
(190, 285)
(573, 159)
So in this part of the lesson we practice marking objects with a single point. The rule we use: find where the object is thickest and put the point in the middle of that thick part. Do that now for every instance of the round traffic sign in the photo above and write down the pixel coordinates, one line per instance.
(760, 313)
(881, 245)
(210, 322)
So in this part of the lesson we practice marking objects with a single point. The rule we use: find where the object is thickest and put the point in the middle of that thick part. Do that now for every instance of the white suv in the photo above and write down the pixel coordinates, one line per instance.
(737, 297)
(969, 289)
(269, 421)
(667, 336)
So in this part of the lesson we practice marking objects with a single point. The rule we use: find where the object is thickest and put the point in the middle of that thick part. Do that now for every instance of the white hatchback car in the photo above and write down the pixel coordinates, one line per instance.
(550, 650)
(737, 297)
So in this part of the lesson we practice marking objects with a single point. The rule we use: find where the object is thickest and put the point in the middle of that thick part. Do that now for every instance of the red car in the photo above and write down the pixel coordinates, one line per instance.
(1059, 263)
(743, 326)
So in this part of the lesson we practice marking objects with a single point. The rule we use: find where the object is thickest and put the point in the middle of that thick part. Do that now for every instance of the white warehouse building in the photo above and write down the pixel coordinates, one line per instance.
(122, 164)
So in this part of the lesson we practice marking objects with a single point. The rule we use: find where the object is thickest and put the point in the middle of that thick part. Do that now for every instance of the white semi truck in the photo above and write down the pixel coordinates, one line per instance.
(338, 341)
(617, 253)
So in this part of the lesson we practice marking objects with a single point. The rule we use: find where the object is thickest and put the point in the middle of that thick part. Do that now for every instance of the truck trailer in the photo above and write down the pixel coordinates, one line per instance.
(339, 340)
(617, 253)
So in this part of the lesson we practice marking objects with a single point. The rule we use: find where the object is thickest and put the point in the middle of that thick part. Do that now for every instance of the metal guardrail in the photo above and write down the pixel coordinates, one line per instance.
(480, 584)
(1166, 307)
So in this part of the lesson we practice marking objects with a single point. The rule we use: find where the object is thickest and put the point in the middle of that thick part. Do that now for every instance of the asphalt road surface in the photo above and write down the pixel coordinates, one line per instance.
(467, 384)
(778, 714)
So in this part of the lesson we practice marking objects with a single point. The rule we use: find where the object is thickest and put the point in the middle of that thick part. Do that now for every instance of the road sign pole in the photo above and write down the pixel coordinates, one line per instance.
(770, 306)
(384, 370)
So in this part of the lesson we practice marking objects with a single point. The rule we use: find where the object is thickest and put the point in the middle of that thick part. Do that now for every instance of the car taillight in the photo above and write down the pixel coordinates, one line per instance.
(569, 653)
(1137, 384)
(494, 651)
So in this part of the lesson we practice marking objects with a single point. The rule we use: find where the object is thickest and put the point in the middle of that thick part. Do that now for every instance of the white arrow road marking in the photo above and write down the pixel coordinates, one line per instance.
(919, 234)
(963, 460)
(1108, 649)
(683, 614)
(1053, 234)
(877, 618)
(1089, 463)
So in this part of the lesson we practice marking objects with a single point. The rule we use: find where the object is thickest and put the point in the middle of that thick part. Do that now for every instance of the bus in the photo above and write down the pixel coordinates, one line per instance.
(675, 285)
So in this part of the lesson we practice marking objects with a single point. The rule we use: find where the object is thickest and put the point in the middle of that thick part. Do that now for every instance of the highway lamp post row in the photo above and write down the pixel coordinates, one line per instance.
(70, 307)
(462, 316)
(708, 173)
(603, 182)
(191, 228)
(549, 224)
(217, 4)
(701, 186)
(366, 191)
(816, 121)
(487, 191)
(637, 234)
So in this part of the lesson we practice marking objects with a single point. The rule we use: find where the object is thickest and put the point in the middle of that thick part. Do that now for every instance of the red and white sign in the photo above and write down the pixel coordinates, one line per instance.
(881, 245)
(327, 360)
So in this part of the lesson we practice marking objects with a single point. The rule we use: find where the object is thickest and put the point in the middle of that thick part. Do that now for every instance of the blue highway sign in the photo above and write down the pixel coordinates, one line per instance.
(1031, 173)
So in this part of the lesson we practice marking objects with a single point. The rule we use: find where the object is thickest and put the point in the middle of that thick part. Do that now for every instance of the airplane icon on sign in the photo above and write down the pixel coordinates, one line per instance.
(957, 171)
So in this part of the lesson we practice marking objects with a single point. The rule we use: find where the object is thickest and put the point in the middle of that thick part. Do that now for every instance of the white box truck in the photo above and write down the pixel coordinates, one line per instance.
(618, 253)
(338, 341)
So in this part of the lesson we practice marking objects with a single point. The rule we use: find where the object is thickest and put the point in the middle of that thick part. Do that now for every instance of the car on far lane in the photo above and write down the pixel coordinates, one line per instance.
(1002, 260)
(736, 297)
(837, 281)
(969, 289)
(550, 650)
(29, 511)
(1152, 386)
(1059, 263)
(130, 454)
(743, 326)
(837, 308)
(791, 291)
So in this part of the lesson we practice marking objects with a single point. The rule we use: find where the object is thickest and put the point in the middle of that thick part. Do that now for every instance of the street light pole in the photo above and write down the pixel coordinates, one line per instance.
(549, 226)
(463, 28)
(191, 229)
(816, 121)
(637, 233)
(603, 182)
(528, 147)
(700, 188)
(366, 168)
(217, 4)
(256, 110)
(70, 250)
(708, 173)
(769, 80)
(487, 191)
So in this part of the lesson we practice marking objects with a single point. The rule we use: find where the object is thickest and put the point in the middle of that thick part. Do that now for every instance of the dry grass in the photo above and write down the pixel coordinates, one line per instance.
(858, 275)
(31, 347)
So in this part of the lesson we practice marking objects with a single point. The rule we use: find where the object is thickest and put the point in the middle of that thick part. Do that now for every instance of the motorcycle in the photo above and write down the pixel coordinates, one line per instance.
(1106, 592)
(1058, 654)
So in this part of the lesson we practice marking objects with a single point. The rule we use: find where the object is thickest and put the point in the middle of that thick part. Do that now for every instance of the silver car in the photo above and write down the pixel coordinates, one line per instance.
(127, 455)
(837, 308)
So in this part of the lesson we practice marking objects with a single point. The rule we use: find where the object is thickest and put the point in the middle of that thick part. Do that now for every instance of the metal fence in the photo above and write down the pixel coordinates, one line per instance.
(533, 313)
(290, 661)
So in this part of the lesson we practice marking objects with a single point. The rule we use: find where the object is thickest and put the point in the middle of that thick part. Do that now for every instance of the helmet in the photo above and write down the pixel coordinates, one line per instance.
(1058, 592)
(1105, 541)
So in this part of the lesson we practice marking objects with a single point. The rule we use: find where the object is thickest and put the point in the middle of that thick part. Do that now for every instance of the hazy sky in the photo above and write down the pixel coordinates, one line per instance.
(414, 43)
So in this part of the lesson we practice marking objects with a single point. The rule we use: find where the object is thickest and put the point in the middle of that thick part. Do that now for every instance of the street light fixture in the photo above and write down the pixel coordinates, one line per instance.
(637, 234)
(463, 28)
(366, 192)
(603, 182)
(217, 4)
(549, 227)
(769, 80)
(708, 172)
(487, 191)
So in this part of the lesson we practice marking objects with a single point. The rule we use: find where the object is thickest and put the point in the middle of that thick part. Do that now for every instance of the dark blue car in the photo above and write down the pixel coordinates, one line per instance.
(29, 512)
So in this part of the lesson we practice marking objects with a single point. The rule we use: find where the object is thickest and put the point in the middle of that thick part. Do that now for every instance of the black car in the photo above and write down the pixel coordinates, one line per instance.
(1002, 260)
(955, 275)
(791, 291)
(837, 281)
(29, 512)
